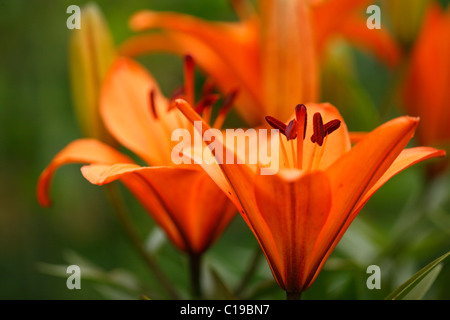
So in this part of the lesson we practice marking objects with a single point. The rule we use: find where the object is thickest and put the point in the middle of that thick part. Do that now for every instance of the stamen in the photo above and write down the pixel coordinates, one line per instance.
(283, 150)
(318, 156)
(302, 116)
(152, 103)
(291, 130)
(276, 124)
(208, 87)
(319, 132)
(189, 66)
(332, 126)
(328, 128)
(228, 102)
(206, 102)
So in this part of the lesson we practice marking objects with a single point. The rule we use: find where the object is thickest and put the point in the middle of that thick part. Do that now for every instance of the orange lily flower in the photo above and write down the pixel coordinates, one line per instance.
(426, 89)
(299, 214)
(273, 57)
(183, 200)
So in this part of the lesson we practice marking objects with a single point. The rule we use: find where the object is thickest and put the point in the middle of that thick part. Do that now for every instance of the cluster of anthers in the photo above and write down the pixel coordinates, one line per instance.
(296, 129)
(207, 99)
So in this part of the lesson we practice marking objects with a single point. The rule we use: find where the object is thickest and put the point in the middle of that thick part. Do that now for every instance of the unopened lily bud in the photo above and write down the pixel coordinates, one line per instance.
(91, 52)
(405, 18)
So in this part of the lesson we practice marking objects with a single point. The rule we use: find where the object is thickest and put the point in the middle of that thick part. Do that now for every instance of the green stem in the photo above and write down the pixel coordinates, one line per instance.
(136, 241)
(254, 263)
(293, 295)
(195, 268)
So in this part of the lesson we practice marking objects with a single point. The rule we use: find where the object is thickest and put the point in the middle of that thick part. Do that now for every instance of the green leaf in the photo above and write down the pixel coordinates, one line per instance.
(418, 285)
(216, 285)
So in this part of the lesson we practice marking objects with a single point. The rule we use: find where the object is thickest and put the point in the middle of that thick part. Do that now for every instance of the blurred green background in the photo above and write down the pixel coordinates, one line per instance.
(402, 228)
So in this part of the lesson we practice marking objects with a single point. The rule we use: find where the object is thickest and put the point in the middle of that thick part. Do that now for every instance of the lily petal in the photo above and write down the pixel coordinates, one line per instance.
(378, 41)
(289, 61)
(425, 92)
(356, 172)
(340, 18)
(407, 158)
(248, 102)
(78, 151)
(295, 208)
(191, 225)
(236, 181)
(126, 110)
(219, 36)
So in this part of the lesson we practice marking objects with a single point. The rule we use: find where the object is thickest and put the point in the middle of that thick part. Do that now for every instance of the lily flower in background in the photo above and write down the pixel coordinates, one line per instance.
(300, 213)
(183, 200)
(273, 56)
(91, 52)
(426, 88)
(405, 18)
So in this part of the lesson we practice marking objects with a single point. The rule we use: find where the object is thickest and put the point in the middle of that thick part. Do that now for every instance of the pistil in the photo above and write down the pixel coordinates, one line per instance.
(301, 116)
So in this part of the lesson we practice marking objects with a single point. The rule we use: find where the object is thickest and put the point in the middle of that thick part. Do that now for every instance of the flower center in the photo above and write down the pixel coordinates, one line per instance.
(296, 130)
(207, 99)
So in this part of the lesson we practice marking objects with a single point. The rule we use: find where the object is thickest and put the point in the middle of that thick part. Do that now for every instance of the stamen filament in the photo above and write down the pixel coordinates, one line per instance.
(227, 104)
(189, 79)
(283, 150)
(294, 154)
(318, 157)
(313, 155)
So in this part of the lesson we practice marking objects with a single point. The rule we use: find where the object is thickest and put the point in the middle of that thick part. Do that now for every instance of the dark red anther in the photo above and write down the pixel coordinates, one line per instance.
(152, 104)
(301, 115)
(291, 130)
(328, 128)
(319, 132)
(206, 102)
(189, 62)
(208, 87)
(276, 124)
(331, 126)
(189, 86)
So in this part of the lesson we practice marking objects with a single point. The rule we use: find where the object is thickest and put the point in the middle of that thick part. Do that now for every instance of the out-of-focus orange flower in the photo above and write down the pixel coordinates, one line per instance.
(183, 200)
(300, 213)
(272, 56)
(426, 91)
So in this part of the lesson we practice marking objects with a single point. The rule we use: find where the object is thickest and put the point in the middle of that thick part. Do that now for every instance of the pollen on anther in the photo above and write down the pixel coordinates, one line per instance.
(276, 124)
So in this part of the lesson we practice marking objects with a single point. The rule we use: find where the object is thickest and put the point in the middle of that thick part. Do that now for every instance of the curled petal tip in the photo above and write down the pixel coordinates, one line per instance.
(140, 19)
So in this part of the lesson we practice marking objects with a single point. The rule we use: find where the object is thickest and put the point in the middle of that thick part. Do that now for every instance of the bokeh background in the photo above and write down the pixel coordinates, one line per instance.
(403, 227)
